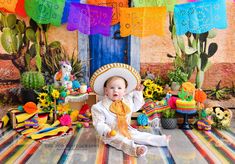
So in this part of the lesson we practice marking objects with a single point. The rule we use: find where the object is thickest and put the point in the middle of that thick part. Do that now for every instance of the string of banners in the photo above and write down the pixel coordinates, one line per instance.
(147, 17)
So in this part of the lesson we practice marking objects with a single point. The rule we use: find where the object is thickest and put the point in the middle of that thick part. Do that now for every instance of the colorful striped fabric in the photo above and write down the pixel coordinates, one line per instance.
(84, 146)
(217, 146)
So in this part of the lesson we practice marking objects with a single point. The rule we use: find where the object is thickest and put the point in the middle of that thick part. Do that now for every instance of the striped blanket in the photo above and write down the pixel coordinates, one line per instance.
(84, 146)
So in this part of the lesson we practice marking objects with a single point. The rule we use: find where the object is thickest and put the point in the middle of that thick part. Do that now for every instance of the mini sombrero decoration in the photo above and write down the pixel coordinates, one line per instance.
(114, 69)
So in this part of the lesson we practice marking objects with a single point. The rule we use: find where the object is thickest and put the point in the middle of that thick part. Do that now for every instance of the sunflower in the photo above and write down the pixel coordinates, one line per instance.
(219, 113)
(158, 89)
(148, 82)
(55, 94)
(148, 93)
(42, 97)
(45, 104)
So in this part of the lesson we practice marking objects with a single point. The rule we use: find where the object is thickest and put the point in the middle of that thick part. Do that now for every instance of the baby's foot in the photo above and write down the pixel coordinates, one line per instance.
(141, 150)
(168, 138)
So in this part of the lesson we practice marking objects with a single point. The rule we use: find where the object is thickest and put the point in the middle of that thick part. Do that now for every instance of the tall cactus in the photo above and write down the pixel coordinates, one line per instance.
(192, 51)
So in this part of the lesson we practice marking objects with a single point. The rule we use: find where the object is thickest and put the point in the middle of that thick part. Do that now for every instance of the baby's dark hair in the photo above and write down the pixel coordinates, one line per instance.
(114, 77)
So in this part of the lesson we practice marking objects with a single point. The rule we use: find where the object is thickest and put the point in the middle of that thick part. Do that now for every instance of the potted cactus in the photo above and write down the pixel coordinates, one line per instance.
(168, 119)
(32, 80)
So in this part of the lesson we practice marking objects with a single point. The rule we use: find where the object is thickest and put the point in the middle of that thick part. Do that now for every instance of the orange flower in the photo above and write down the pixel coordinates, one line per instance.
(200, 96)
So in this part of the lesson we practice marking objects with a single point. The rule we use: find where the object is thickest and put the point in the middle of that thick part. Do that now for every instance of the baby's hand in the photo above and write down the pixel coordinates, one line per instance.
(140, 87)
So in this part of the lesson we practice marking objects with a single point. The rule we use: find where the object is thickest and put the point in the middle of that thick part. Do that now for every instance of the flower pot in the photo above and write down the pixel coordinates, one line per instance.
(169, 123)
(28, 95)
(175, 86)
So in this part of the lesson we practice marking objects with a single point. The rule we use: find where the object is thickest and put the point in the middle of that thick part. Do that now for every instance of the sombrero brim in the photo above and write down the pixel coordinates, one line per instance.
(115, 69)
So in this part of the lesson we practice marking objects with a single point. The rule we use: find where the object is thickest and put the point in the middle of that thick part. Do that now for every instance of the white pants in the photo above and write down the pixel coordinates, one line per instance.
(138, 139)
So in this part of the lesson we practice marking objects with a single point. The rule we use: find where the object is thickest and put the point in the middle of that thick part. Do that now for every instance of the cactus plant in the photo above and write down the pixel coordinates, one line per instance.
(32, 80)
(192, 51)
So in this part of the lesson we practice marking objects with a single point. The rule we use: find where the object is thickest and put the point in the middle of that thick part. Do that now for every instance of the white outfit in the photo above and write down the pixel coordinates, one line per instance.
(104, 121)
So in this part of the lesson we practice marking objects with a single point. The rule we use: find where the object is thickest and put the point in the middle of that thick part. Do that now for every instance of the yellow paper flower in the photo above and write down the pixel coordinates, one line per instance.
(63, 108)
(148, 93)
(148, 82)
(219, 113)
(188, 86)
(55, 94)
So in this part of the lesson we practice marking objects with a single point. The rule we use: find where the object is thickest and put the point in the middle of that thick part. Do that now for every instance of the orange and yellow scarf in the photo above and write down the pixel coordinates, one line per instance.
(121, 110)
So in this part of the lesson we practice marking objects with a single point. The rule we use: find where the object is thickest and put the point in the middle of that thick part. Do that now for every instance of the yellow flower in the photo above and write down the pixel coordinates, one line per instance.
(219, 113)
(225, 122)
(158, 89)
(45, 104)
(148, 93)
(227, 114)
(209, 111)
(148, 82)
(55, 94)
(63, 108)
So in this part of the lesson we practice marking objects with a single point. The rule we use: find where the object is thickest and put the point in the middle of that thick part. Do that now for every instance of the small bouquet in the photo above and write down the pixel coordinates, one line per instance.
(221, 117)
(50, 96)
(153, 91)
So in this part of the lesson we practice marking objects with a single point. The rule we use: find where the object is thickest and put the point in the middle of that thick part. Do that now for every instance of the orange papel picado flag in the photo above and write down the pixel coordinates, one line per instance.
(9, 5)
(143, 21)
(115, 4)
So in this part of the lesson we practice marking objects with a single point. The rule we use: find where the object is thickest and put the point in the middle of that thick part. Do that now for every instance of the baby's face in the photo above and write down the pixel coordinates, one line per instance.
(115, 89)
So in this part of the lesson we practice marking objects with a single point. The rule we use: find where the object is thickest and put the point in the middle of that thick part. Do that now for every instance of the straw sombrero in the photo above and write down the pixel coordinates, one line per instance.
(115, 69)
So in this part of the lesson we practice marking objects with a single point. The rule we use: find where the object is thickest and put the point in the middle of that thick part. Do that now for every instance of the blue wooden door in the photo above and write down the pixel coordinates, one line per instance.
(105, 50)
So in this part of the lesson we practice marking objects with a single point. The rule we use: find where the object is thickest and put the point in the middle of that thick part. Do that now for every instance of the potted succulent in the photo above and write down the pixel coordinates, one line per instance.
(177, 77)
(168, 119)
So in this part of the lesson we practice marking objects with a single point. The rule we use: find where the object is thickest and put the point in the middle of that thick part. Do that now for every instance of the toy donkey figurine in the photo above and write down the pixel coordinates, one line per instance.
(63, 77)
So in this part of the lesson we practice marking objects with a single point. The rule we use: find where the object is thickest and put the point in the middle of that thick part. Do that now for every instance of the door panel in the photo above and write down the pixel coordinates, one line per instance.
(105, 50)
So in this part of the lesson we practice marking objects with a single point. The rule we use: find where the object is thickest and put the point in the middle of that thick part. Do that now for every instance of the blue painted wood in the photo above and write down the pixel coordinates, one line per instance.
(105, 50)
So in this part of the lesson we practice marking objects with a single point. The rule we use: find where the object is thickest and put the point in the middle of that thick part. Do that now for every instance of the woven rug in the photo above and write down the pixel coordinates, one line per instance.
(84, 146)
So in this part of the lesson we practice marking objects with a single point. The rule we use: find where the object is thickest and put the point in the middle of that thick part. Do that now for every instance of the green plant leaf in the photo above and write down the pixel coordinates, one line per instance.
(9, 40)
(30, 34)
(11, 20)
(180, 41)
(190, 50)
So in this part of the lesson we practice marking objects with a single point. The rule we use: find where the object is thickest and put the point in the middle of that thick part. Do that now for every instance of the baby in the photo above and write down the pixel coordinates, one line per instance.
(120, 86)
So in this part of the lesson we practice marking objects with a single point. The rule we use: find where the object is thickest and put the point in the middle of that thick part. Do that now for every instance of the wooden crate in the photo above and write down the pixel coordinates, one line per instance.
(91, 100)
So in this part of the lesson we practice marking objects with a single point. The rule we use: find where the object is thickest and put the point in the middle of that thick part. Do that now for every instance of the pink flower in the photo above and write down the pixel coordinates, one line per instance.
(172, 102)
(65, 120)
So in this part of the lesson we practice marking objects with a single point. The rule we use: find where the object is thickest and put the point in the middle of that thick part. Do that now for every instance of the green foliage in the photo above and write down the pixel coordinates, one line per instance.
(50, 62)
(32, 80)
(218, 93)
(169, 113)
(177, 75)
